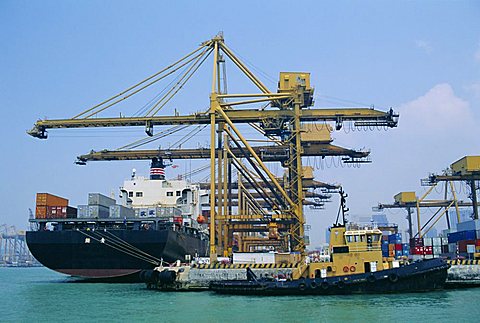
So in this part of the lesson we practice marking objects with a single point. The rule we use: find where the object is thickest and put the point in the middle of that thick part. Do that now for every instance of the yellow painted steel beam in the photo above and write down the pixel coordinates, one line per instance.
(266, 153)
(235, 116)
(257, 159)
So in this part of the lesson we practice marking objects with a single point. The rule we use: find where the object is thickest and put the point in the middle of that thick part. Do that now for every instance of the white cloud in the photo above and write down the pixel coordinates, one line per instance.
(437, 109)
(424, 45)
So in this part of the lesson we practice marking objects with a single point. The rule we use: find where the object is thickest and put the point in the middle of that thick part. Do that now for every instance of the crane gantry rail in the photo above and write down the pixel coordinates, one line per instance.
(280, 118)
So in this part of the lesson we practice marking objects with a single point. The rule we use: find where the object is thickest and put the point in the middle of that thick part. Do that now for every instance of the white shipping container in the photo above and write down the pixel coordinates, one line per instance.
(120, 212)
(427, 242)
(436, 241)
(82, 211)
(100, 199)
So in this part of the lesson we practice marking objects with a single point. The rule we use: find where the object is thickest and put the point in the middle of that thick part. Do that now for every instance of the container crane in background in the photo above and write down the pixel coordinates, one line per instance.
(287, 121)
(13, 248)
(467, 169)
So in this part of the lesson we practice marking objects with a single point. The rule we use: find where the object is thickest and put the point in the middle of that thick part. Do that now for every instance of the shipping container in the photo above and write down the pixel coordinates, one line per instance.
(47, 199)
(40, 212)
(56, 212)
(71, 212)
(428, 250)
(427, 242)
(398, 247)
(120, 212)
(98, 211)
(395, 238)
(436, 242)
(99, 199)
(416, 242)
(82, 211)
(462, 245)
(461, 235)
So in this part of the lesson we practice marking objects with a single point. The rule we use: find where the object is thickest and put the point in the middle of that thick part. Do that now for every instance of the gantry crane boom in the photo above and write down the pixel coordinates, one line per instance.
(267, 153)
(339, 115)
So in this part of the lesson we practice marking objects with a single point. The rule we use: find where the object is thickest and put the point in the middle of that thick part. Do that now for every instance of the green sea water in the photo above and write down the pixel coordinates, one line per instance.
(41, 295)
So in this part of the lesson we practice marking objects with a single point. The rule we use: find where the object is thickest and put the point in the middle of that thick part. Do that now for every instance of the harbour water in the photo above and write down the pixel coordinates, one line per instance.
(41, 295)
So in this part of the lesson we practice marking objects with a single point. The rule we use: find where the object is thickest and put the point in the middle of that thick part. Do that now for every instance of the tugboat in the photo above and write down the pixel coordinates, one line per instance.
(356, 266)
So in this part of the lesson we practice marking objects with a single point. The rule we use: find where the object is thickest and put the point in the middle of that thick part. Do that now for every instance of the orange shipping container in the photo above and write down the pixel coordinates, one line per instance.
(41, 212)
(46, 199)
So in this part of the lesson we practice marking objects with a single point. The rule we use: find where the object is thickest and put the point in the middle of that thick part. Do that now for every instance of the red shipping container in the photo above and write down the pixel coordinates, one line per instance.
(417, 250)
(56, 212)
(178, 219)
(477, 242)
(462, 245)
(398, 247)
(416, 242)
(428, 250)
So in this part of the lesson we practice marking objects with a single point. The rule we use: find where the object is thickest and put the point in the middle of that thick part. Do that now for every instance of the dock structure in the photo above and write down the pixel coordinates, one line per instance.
(13, 248)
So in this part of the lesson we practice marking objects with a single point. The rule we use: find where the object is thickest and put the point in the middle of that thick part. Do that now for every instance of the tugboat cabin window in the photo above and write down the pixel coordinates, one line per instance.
(179, 193)
(130, 194)
(139, 194)
(169, 193)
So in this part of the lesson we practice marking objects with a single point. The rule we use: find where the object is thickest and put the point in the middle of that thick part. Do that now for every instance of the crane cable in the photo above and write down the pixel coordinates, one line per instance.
(183, 80)
(157, 136)
(146, 259)
(188, 136)
(140, 83)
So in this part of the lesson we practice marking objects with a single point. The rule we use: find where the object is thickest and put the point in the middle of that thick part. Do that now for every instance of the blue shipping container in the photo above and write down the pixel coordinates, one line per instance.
(454, 237)
(395, 238)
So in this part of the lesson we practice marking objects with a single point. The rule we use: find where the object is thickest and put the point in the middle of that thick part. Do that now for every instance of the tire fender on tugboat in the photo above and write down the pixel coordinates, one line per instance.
(393, 277)
(371, 279)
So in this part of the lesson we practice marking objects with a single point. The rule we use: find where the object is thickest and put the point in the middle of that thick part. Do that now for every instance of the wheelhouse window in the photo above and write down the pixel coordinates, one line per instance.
(179, 193)
(139, 194)
(169, 193)
(130, 194)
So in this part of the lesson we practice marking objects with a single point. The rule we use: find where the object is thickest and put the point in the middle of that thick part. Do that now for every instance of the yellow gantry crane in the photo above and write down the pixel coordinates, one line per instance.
(466, 169)
(283, 118)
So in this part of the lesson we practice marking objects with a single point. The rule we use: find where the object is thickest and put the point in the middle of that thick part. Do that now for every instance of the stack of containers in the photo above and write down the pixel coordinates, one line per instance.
(428, 247)
(395, 247)
(385, 252)
(461, 240)
(49, 206)
(98, 206)
(416, 247)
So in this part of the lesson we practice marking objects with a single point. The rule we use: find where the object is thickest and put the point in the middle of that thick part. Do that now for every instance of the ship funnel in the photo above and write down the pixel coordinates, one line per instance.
(157, 169)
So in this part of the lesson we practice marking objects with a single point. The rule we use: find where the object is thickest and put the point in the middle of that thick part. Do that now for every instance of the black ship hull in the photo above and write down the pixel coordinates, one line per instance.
(417, 277)
(112, 255)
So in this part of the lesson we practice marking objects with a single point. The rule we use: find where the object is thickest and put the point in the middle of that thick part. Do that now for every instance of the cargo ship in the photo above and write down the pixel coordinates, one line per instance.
(157, 221)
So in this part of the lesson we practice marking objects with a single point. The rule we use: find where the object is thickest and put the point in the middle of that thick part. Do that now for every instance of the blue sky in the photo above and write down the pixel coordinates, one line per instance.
(60, 57)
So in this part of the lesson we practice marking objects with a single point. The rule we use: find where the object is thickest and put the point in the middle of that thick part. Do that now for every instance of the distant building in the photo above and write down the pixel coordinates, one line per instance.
(380, 219)
(466, 214)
